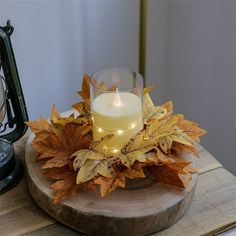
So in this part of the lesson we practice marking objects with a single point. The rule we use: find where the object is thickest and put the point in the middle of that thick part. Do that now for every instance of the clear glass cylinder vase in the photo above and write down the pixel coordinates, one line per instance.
(117, 106)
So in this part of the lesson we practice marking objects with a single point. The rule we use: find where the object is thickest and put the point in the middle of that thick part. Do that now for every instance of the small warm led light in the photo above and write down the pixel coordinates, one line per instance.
(92, 119)
(115, 150)
(119, 131)
(132, 125)
(100, 130)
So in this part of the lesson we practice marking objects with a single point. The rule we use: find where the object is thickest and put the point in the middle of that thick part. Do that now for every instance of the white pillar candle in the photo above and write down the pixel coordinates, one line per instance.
(118, 113)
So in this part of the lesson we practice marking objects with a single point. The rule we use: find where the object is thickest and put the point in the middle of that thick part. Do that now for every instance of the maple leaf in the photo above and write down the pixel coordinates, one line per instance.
(58, 173)
(136, 148)
(85, 92)
(55, 142)
(39, 126)
(151, 111)
(191, 129)
(92, 168)
(157, 129)
(92, 162)
(167, 175)
(88, 186)
(81, 156)
(177, 136)
(176, 172)
(65, 188)
(83, 108)
(169, 107)
(178, 147)
(109, 184)
(148, 89)
(65, 185)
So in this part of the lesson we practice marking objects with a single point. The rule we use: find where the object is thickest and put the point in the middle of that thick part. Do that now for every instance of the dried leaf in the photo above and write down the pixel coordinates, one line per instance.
(83, 108)
(92, 168)
(148, 89)
(85, 92)
(89, 186)
(135, 149)
(191, 129)
(178, 147)
(177, 136)
(39, 126)
(83, 155)
(108, 184)
(157, 129)
(169, 107)
(58, 173)
(151, 111)
(167, 175)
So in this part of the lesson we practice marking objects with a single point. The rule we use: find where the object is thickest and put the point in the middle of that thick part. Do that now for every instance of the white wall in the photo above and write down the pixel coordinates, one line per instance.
(55, 42)
(191, 58)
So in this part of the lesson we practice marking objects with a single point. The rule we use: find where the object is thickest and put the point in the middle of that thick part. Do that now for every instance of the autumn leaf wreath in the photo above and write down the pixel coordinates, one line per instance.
(73, 160)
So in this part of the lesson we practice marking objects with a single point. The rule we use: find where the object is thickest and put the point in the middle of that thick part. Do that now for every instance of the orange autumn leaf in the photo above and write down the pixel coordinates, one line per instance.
(179, 147)
(89, 186)
(191, 129)
(148, 89)
(169, 107)
(58, 173)
(107, 185)
(66, 142)
(85, 92)
(83, 108)
(55, 142)
(117, 179)
(167, 175)
(65, 188)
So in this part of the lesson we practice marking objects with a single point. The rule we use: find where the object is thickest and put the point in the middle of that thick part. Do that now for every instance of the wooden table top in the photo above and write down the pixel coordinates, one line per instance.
(213, 209)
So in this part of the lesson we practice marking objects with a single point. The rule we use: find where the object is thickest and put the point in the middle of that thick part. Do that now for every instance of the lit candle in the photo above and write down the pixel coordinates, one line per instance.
(119, 113)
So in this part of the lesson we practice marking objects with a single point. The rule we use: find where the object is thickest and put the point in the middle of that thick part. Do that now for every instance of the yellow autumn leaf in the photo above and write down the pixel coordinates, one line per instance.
(92, 168)
(148, 89)
(151, 111)
(178, 136)
(81, 156)
(136, 148)
(157, 129)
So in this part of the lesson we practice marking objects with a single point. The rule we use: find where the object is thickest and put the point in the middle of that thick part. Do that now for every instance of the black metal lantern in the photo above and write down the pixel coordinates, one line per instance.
(13, 113)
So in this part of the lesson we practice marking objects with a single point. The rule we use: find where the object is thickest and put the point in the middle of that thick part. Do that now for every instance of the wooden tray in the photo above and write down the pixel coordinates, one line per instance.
(144, 208)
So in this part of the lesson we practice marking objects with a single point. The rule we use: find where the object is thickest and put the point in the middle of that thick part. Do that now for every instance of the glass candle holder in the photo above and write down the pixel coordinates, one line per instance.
(117, 106)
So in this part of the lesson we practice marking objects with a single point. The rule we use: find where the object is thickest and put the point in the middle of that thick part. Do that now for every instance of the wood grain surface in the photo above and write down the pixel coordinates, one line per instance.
(212, 210)
(137, 211)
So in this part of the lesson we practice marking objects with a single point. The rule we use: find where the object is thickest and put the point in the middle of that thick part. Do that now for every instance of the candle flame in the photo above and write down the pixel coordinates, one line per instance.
(116, 102)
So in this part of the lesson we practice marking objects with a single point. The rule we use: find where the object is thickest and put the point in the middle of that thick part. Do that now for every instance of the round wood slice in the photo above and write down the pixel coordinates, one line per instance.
(145, 207)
